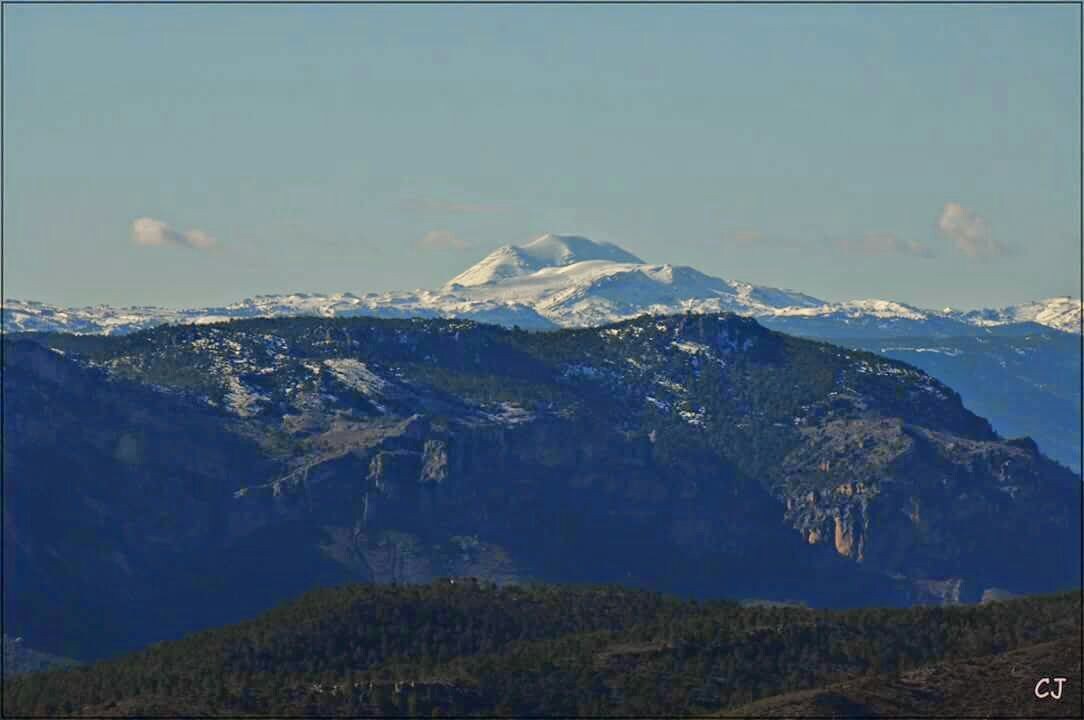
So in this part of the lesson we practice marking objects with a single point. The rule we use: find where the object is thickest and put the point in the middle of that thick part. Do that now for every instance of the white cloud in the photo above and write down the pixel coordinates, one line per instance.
(149, 232)
(443, 240)
(883, 244)
(968, 232)
(870, 244)
(744, 237)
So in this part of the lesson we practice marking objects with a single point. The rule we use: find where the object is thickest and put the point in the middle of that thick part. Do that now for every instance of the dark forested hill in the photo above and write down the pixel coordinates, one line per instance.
(989, 686)
(191, 476)
(469, 647)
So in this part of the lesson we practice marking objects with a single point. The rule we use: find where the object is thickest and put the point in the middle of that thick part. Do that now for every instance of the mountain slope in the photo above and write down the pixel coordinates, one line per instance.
(700, 455)
(129, 503)
(597, 292)
(989, 686)
(1026, 384)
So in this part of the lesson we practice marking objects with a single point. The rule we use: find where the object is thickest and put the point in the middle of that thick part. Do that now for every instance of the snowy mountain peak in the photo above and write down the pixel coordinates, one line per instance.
(556, 250)
(546, 251)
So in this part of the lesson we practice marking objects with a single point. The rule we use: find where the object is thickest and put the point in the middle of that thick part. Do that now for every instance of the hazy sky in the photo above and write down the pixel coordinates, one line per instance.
(201, 154)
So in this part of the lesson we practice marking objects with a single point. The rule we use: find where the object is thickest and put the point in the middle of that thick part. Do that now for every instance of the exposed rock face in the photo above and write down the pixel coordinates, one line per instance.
(529, 489)
(920, 502)
(848, 537)
(434, 462)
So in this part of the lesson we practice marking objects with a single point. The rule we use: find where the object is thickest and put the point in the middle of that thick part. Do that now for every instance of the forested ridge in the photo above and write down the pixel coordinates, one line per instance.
(469, 647)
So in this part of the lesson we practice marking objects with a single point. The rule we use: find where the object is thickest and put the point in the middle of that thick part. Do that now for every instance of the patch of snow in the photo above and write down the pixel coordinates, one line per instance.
(693, 348)
(581, 370)
(951, 352)
(693, 417)
(670, 385)
(661, 405)
(241, 399)
(511, 414)
(357, 376)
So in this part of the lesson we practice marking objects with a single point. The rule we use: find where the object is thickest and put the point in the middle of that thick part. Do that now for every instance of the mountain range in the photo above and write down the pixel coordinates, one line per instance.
(1016, 366)
(570, 281)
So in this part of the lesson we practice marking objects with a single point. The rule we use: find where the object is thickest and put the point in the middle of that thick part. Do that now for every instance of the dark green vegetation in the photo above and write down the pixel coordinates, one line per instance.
(974, 687)
(187, 477)
(474, 648)
(1023, 383)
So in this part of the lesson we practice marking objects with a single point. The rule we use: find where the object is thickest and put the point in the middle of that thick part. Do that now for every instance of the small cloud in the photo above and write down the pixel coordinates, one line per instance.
(876, 244)
(443, 240)
(968, 232)
(149, 232)
(745, 237)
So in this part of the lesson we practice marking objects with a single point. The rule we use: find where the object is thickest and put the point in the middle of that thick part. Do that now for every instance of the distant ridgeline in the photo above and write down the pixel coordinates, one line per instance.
(464, 648)
(1024, 382)
(187, 477)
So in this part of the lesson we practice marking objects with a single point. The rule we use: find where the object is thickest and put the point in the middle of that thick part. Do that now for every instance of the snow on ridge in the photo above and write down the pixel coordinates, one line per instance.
(857, 308)
(1062, 313)
(951, 352)
(559, 281)
(357, 376)
(546, 251)
(241, 399)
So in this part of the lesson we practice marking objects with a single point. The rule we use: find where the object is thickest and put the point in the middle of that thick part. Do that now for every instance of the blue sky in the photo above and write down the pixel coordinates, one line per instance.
(927, 154)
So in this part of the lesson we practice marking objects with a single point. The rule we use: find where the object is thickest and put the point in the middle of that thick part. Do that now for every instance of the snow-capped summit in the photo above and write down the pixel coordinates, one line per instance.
(546, 251)
(574, 281)
(554, 250)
